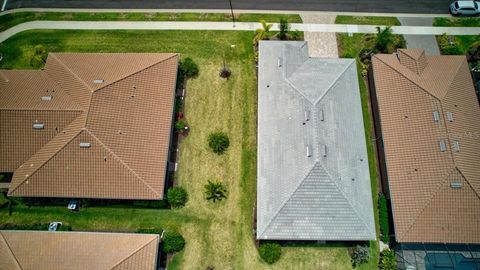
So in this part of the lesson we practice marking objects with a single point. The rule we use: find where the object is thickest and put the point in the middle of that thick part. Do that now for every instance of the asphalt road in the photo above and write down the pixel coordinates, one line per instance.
(387, 6)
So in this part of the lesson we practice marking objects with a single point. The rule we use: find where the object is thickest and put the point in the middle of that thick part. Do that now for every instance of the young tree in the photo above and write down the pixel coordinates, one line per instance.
(284, 28)
(177, 197)
(262, 33)
(215, 191)
(173, 242)
(384, 39)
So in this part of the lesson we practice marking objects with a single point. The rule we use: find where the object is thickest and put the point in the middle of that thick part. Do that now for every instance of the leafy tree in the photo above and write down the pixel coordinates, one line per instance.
(284, 28)
(215, 191)
(177, 197)
(384, 40)
(218, 142)
(188, 68)
(360, 255)
(387, 260)
(262, 33)
(270, 252)
(173, 242)
(383, 218)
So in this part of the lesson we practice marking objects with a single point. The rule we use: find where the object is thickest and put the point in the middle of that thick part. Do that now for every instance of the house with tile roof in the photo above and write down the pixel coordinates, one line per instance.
(428, 128)
(32, 250)
(88, 125)
(313, 180)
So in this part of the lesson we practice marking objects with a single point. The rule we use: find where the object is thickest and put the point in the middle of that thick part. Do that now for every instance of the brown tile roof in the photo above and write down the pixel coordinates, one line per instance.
(425, 206)
(25, 250)
(122, 104)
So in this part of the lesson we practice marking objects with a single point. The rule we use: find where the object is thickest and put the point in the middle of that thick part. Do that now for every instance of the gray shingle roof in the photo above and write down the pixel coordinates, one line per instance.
(310, 103)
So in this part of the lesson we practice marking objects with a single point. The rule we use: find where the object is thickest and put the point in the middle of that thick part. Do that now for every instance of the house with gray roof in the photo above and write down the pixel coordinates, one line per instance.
(312, 164)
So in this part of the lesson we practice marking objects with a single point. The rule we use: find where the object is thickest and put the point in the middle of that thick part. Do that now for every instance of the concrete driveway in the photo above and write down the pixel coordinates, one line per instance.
(427, 42)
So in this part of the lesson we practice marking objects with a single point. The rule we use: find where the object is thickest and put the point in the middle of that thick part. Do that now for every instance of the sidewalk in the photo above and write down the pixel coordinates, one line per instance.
(241, 26)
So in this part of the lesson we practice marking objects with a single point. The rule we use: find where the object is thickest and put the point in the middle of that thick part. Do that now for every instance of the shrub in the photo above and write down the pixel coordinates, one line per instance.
(218, 142)
(473, 53)
(173, 242)
(188, 68)
(284, 27)
(225, 72)
(150, 231)
(383, 218)
(177, 197)
(387, 260)
(178, 105)
(215, 191)
(449, 45)
(295, 34)
(39, 56)
(270, 252)
(360, 255)
(180, 125)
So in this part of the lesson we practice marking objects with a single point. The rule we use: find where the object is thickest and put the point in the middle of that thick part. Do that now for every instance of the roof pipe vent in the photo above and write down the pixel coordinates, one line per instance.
(456, 185)
(324, 150)
(443, 146)
(307, 115)
(309, 151)
(436, 116)
(85, 145)
(38, 126)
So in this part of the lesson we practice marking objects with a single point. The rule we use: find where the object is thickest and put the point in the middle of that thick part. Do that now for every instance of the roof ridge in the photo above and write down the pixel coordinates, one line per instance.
(121, 161)
(334, 81)
(457, 71)
(10, 191)
(69, 70)
(10, 250)
(406, 77)
(289, 197)
(136, 72)
(134, 252)
(348, 201)
(428, 202)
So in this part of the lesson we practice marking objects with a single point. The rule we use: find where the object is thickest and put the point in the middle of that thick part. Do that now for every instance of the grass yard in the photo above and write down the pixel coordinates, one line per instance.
(218, 235)
(12, 19)
(469, 22)
(367, 20)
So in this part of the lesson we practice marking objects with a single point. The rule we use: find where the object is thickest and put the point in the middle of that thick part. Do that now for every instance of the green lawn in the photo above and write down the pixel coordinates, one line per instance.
(367, 20)
(469, 22)
(463, 44)
(219, 234)
(349, 47)
(9, 20)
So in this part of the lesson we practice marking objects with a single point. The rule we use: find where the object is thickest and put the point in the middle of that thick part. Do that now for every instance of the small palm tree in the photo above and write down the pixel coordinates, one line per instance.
(215, 191)
(385, 39)
(262, 33)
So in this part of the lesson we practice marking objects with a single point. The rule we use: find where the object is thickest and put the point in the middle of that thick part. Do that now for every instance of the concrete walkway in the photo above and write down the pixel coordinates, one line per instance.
(326, 28)
(236, 11)
(320, 44)
(427, 42)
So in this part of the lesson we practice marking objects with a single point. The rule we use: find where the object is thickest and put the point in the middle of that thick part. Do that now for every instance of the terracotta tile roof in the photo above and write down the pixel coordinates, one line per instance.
(25, 250)
(430, 121)
(125, 117)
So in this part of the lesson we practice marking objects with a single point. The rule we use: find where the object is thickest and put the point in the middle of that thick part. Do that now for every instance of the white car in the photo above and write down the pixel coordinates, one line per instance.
(470, 8)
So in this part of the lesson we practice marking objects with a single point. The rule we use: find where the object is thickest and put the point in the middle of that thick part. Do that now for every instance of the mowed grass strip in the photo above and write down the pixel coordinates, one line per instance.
(12, 19)
(367, 20)
(219, 234)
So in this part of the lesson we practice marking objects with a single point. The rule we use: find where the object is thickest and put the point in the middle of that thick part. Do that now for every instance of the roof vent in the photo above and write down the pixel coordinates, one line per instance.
(456, 185)
(85, 145)
(450, 116)
(47, 98)
(309, 151)
(279, 62)
(98, 81)
(38, 126)
(307, 115)
(443, 147)
(456, 146)
(322, 117)
(324, 150)
(436, 116)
